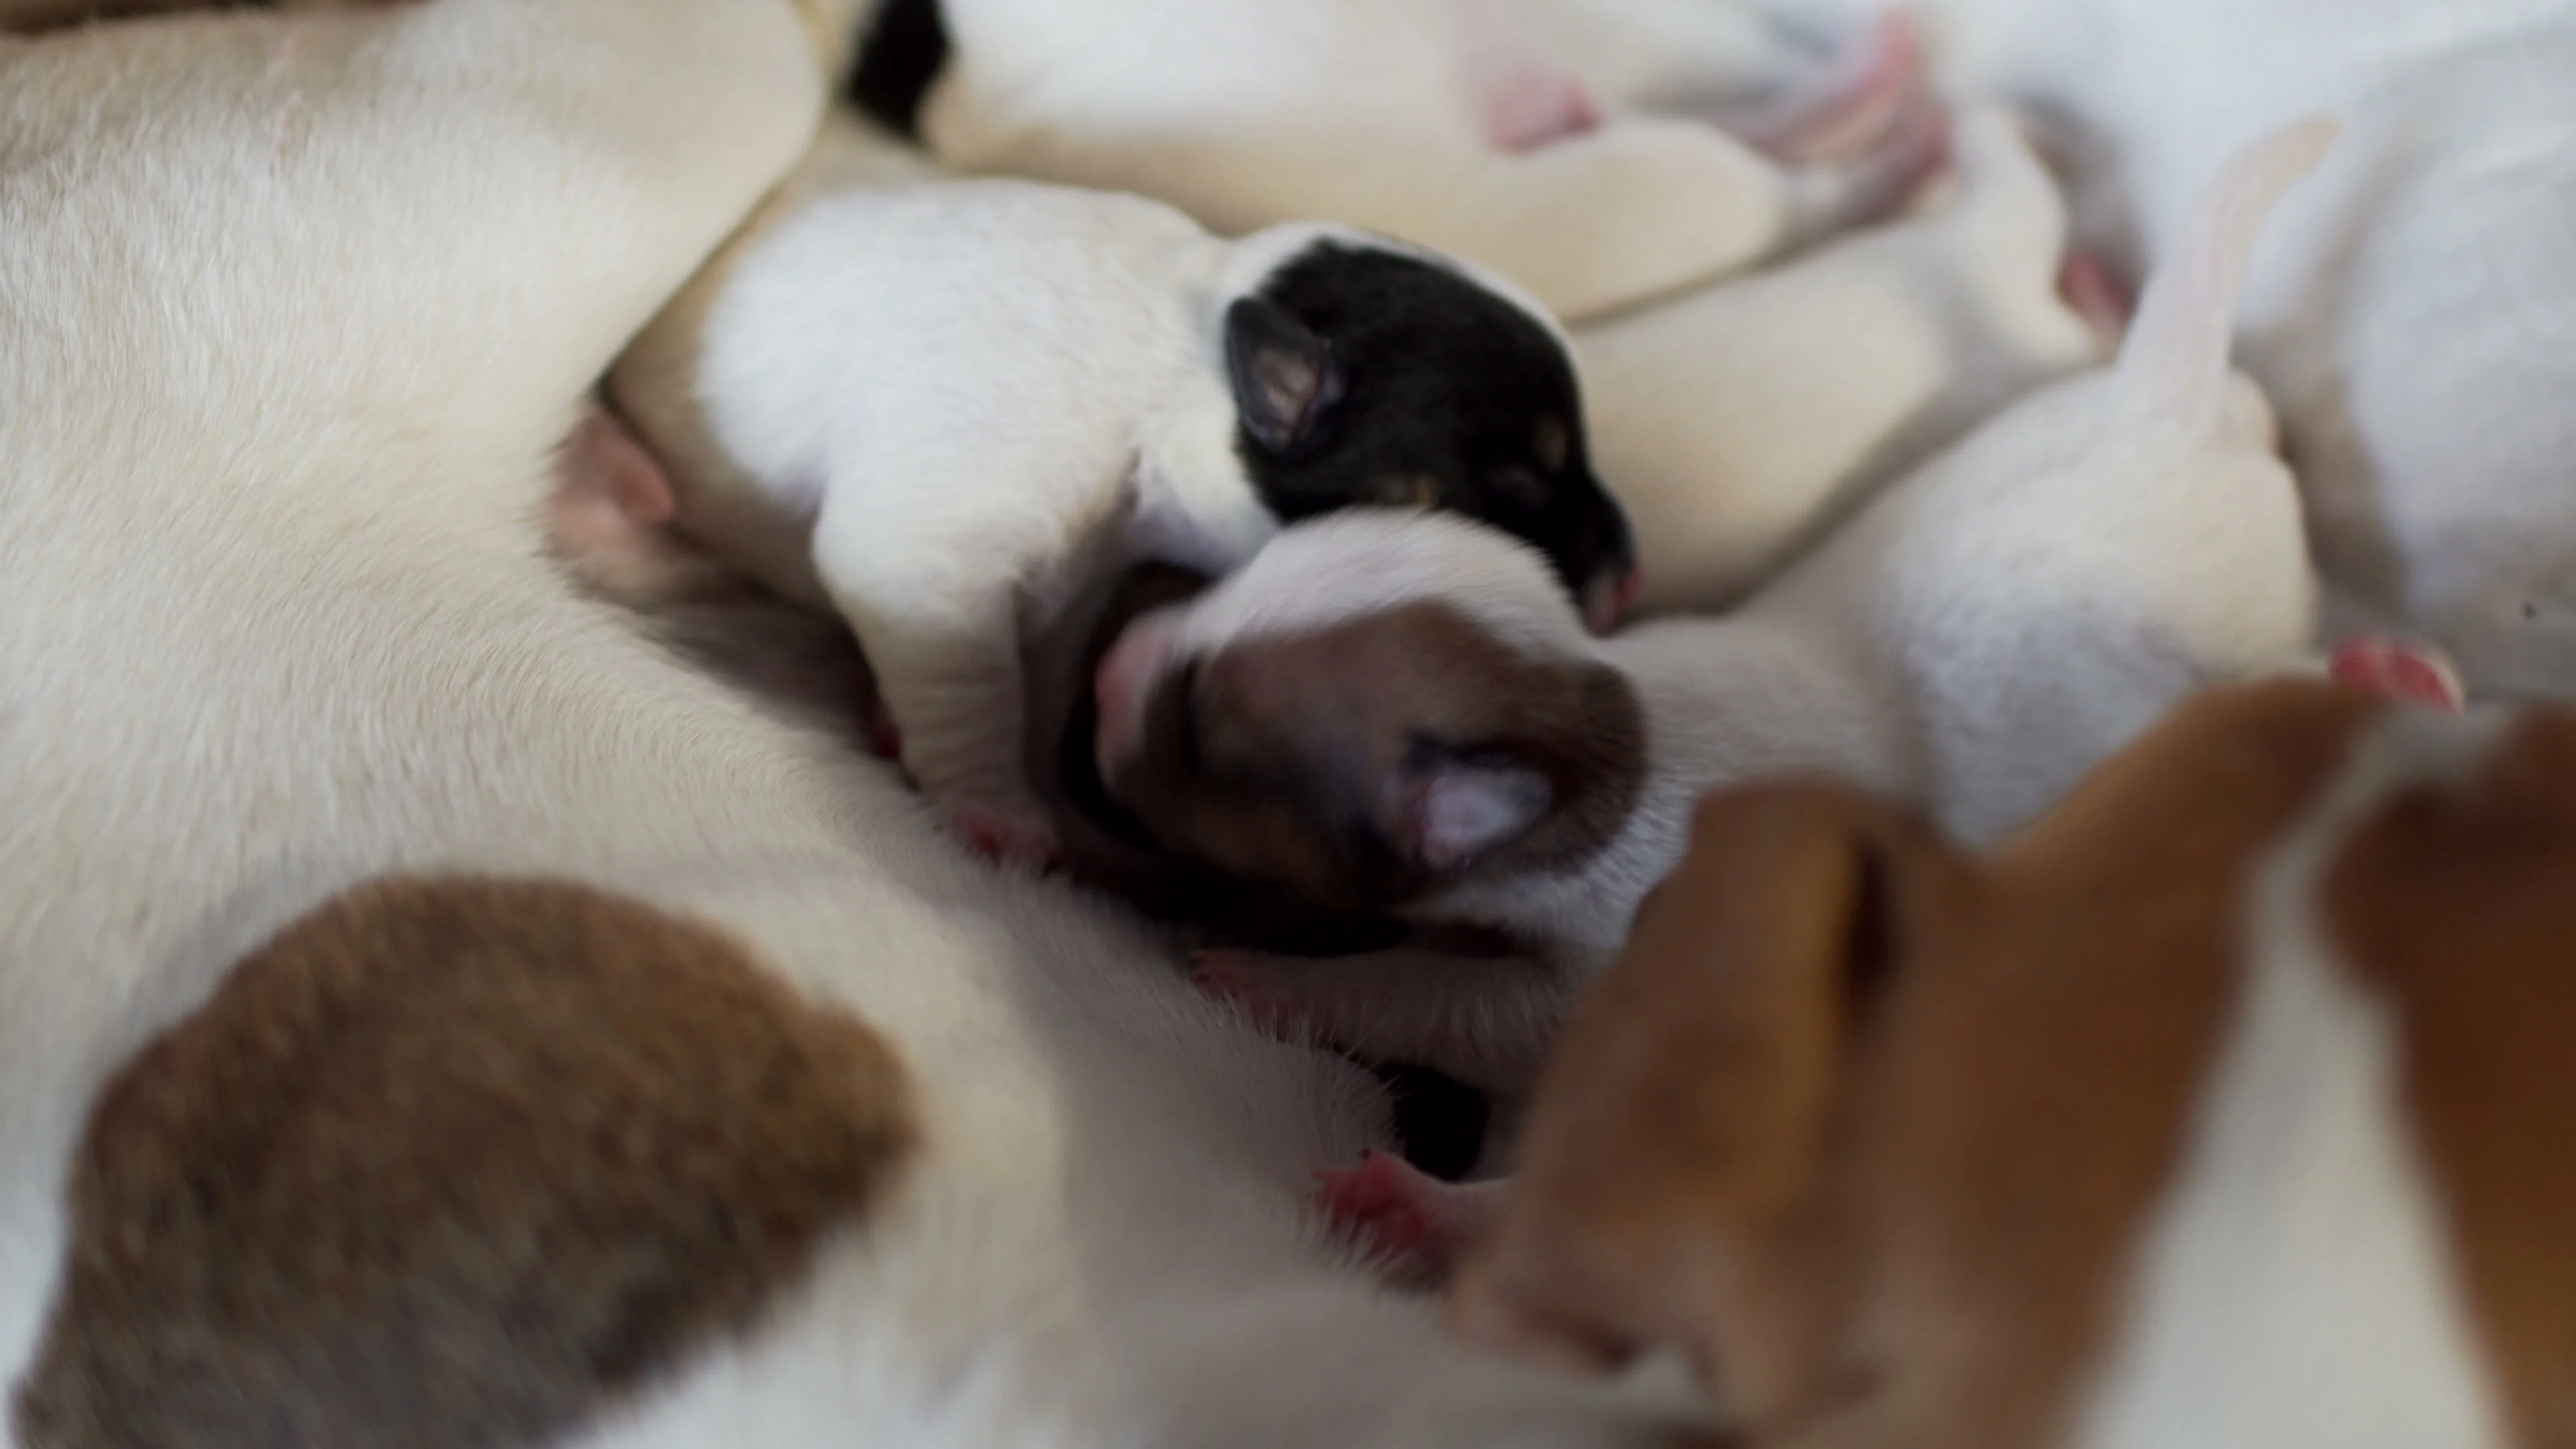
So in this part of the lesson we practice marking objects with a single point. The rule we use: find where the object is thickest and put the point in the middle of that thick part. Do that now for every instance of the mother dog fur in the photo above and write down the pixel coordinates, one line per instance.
(317, 296)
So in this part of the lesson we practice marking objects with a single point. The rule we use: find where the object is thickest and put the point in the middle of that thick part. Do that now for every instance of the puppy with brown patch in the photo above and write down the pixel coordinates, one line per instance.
(2225, 1106)
(1403, 713)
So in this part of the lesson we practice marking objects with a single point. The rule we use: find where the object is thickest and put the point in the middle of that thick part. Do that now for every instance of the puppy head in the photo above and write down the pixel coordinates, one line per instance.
(1380, 705)
(1368, 373)
(1876, 1130)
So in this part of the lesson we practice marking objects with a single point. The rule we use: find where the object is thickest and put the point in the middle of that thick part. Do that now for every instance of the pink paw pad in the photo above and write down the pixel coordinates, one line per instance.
(1001, 837)
(2415, 674)
(1857, 110)
(1384, 1204)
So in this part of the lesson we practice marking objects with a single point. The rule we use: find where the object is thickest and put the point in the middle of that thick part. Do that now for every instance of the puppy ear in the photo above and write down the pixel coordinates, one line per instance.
(1458, 810)
(1284, 375)
(1674, 1152)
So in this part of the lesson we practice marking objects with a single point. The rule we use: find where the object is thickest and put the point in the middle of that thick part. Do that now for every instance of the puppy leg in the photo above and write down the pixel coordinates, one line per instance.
(1486, 1021)
(1864, 98)
(932, 592)
(1640, 206)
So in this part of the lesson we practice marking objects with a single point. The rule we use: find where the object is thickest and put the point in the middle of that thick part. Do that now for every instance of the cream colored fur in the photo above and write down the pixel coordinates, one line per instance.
(297, 309)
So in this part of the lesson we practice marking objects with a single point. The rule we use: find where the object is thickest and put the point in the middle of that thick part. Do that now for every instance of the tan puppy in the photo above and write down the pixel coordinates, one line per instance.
(1741, 422)
(2226, 1106)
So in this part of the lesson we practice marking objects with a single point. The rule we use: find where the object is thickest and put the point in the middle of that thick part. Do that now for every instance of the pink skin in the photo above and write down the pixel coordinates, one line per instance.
(2096, 294)
(1530, 104)
(611, 512)
(612, 515)
(1126, 676)
(1855, 110)
(1002, 839)
(1414, 1226)
(1535, 106)
(2412, 673)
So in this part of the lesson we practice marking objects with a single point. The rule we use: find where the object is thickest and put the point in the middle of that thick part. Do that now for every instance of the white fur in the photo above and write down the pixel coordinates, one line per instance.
(318, 297)
(1997, 624)
(2410, 311)
(1737, 423)
(936, 406)
(2297, 1287)
(1383, 114)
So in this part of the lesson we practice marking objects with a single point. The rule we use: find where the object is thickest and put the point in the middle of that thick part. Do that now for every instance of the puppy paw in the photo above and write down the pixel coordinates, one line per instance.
(2412, 673)
(1857, 108)
(1242, 980)
(1002, 835)
(1415, 1227)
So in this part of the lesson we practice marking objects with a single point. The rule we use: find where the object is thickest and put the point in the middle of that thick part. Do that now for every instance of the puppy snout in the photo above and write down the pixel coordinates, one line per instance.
(1122, 686)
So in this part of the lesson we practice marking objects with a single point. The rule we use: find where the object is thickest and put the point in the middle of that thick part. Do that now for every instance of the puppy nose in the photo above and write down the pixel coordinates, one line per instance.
(1126, 676)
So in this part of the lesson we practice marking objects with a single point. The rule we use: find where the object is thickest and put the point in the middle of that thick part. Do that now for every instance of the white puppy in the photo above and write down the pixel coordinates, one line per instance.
(308, 303)
(1399, 713)
(1450, 123)
(939, 407)
(1741, 422)
(2410, 312)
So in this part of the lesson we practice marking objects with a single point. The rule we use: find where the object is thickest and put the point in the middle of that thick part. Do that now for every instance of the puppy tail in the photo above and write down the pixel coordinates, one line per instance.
(2173, 369)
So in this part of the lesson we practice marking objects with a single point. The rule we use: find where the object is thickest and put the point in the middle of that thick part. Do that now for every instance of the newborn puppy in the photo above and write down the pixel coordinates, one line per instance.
(938, 407)
(1402, 712)
(1454, 125)
(1743, 420)
(2227, 1105)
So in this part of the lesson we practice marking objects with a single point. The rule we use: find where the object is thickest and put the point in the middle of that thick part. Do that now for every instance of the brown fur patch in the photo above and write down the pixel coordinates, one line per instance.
(1286, 759)
(452, 1162)
(2458, 904)
(1931, 1257)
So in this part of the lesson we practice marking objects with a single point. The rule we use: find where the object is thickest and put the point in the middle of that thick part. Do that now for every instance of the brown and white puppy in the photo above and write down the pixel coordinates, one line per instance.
(1403, 712)
(2225, 1106)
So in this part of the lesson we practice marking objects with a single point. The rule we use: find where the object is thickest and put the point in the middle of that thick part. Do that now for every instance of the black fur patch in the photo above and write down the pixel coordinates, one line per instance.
(899, 61)
(1452, 397)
